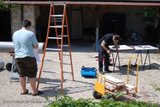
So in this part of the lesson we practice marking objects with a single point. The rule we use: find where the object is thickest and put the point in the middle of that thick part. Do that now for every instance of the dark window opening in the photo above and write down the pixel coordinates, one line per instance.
(5, 26)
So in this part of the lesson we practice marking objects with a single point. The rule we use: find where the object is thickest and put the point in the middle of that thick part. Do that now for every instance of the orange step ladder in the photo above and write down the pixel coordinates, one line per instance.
(58, 22)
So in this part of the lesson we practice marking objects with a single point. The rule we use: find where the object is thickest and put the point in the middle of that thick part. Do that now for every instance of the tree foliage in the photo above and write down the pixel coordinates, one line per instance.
(6, 6)
(151, 12)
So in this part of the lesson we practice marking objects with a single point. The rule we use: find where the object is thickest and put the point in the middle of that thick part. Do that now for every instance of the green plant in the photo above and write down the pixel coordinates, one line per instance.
(7, 6)
(114, 96)
(119, 94)
(151, 12)
(66, 101)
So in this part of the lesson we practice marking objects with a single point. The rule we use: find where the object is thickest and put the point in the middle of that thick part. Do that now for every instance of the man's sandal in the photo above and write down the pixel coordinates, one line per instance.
(38, 93)
(25, 92)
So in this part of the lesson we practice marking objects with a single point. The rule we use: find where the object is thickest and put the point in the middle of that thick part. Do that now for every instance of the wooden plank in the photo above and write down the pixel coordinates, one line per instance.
(114, 81)
(130, 87)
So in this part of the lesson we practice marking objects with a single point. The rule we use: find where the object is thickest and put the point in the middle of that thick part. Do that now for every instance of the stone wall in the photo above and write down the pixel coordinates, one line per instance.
(15, 19)
(21, 13)
(29, 13)
(134, 16)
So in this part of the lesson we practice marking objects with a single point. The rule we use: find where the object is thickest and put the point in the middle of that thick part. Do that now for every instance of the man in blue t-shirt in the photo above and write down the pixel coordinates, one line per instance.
(104, 50)
(24, 43)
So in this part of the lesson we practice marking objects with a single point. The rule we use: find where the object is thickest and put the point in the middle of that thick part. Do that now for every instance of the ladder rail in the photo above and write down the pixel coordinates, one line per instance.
(59, 52)
(45, 46)
(69, 45)
(62, 33)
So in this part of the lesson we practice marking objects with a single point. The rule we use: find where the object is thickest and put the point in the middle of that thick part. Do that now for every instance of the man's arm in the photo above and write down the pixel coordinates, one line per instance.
(104, 47)
(34, 41)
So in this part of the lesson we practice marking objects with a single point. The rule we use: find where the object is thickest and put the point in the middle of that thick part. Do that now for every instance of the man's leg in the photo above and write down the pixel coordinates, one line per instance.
(106, 62)
(31, 74)
(22, 75)
(33, 85)
(100, 61)
(23, 84)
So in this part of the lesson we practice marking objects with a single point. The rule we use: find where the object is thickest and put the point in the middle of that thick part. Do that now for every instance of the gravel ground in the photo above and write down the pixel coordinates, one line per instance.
(81, 87)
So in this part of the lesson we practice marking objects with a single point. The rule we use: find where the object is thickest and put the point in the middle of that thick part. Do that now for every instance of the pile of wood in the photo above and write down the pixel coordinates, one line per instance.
(115, 85)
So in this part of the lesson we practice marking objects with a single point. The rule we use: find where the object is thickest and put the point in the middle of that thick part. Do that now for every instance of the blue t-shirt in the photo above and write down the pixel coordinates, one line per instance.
(24, 40)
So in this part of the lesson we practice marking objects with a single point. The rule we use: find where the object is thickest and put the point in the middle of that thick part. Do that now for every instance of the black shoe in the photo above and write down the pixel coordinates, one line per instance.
(108, 71)
(101, 72)
(110, 64)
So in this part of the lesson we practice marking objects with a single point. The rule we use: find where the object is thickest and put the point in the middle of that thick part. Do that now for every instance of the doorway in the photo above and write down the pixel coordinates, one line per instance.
(42, 23)
(5, 26)
(114, 23)
(76, 31)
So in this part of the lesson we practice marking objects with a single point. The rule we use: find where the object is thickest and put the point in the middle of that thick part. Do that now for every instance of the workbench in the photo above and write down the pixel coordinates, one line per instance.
(138, 49)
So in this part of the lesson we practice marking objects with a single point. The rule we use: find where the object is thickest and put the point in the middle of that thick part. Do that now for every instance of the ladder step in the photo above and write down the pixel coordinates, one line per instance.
(59, 26)
(64, 45)
(63, 35)
(60, 15)
(53, 49)
(54, 38)
(65, 54)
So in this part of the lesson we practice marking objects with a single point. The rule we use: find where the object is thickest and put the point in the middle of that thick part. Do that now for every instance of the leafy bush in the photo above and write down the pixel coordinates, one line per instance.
(7, 6)
(66, 101)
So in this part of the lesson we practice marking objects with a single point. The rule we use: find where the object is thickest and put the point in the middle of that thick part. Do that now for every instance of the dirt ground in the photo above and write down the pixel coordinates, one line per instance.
(148, 82)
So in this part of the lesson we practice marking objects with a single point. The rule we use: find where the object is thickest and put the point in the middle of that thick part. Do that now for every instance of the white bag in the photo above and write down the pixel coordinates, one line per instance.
(36, 54)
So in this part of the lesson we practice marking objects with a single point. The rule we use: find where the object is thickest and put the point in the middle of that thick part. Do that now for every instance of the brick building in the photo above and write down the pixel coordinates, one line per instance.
(123, 17)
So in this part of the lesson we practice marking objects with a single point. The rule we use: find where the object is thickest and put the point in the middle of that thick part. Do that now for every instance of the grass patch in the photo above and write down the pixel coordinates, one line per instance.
(66, 101)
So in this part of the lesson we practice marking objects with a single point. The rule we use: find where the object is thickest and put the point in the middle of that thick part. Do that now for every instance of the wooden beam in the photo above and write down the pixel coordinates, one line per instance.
(87, 3)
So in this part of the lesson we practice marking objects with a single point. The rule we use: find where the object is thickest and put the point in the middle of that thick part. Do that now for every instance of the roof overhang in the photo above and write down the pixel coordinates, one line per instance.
(135, 3)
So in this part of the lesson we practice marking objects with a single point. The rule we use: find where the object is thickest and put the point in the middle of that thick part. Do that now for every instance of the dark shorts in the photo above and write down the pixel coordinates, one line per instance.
(27, 67)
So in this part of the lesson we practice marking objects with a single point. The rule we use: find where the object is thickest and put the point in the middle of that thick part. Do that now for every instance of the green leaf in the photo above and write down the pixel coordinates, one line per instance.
(7, 6)
(66, 101)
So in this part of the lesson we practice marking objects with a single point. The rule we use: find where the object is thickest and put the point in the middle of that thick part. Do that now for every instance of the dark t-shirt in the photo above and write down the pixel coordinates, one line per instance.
(108, 39)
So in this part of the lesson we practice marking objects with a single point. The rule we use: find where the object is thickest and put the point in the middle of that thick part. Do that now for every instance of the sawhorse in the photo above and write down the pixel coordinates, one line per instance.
(146, 48)
(12, 74)
(115, 60)
(117, 50)
(139, 53)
